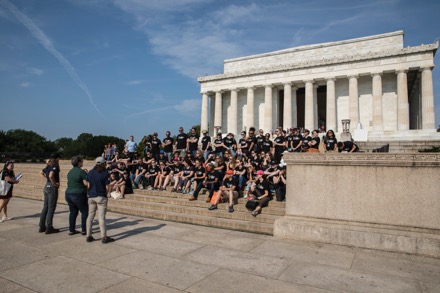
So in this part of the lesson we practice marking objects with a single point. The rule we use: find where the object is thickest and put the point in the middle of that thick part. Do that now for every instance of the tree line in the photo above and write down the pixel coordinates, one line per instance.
(25, 145)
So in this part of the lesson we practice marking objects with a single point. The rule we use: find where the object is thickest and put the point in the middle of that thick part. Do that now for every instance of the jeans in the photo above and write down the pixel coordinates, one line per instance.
(77, 203)
(97, 203)
(50, 204)
(136, 181)
(212, 187)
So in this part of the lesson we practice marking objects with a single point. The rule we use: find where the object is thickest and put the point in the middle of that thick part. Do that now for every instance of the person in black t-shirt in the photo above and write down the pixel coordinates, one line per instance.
(230, 143)
(218, 145)
(240, 174)
(211, 182)
(52, 176)
(155, 146)
(152, 172)
(330, 141)
(187, 174)
(140, 174)
(267, 144)
(259, 141)
(161, 177)
(296, 143)
(182, 142)
(260, 191)
(305, 140)
(193, 142)
(168, 142)
(347, 146)
(206, 144)
(227, 191)
(243, 145)
(251, 140)
(176, 173)
(199, 176)
(280, 144)
(314, 143)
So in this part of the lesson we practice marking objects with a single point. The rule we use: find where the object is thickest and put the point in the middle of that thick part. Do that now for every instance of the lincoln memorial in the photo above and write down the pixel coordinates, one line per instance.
(384, 88)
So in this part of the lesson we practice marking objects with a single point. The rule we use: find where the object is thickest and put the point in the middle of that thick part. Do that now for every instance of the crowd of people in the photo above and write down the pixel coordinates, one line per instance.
(251, 167)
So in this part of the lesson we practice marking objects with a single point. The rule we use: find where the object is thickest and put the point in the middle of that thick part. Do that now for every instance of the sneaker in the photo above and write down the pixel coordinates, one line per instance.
(192, 198)
(7, 218)
(150, 188)
(106, 240)
(184, 191)
(191, 192)
(1, 220)
(90, 239)
(231, 209)
(42, 230)
(213, 207)
(173, 189)
(73, 232)
(52, 231)
(254, 213)
(141, 187)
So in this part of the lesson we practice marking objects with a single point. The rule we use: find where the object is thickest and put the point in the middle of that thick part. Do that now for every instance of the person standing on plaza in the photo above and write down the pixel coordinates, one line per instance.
(9, 176)
(76, 195)
(131, 147)
(155, 146)
(98, 188)
(52, 176)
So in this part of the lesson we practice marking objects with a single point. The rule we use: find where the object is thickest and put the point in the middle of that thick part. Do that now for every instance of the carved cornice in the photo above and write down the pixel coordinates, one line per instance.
(323, 62)
(365, 159)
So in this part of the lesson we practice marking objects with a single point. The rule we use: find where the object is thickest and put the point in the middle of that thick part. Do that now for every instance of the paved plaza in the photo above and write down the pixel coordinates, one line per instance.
(157, 256)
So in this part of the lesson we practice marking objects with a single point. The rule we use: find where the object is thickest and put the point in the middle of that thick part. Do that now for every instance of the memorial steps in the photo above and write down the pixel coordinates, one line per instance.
(162, 205)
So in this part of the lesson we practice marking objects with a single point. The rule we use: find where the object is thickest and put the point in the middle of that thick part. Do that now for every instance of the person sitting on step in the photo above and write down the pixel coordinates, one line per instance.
(227, 191)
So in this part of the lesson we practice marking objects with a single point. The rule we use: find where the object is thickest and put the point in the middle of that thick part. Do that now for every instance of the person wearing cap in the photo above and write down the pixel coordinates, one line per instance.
(218, 145)
(260, 191)
(206, 144)
(155, 146)
(51, 173)
(76, 195)
(227, 191)
(98, 188)
(162, 157)
(272, 171)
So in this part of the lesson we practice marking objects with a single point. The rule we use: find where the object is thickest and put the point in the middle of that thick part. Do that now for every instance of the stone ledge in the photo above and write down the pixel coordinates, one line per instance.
(418, 241)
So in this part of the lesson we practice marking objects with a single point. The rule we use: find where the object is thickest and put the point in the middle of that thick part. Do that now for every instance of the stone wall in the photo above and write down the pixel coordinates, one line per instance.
(380, 201)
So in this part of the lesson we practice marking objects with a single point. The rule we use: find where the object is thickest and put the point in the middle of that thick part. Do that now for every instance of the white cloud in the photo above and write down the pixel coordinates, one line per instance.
(35, 71)
(25, 84)
(189, 107)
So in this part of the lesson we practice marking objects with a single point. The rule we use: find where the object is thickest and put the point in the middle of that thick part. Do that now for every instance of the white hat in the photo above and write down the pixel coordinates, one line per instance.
(100, 160)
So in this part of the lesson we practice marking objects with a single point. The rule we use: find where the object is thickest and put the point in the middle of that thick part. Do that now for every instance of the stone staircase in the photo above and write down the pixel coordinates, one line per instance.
(160, 205)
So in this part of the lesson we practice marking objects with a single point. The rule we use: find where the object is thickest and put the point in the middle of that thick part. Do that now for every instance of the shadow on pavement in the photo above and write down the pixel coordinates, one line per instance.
(137, 231)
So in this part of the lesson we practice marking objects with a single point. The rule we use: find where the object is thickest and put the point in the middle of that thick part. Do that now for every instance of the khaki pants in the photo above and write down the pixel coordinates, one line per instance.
(97, 203)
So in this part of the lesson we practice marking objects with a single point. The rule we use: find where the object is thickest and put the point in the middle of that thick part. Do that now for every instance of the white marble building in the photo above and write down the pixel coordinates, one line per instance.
(377, 83)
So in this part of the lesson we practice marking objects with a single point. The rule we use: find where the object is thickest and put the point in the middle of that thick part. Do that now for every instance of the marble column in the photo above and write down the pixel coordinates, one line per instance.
(294, 108)
(268, 108)
(309, 114)
(331, 105)
(377, 102)
(402, 100)
(287, 115)
(428, 117)
(353, 102)
(211, 115)
(218, 109)
(250, 119)
(233, 117)
(315, 107)
(204, 118)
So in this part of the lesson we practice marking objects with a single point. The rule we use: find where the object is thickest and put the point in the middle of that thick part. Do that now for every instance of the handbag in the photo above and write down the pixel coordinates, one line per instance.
(4, 186)
(116, 194)
(214, 197)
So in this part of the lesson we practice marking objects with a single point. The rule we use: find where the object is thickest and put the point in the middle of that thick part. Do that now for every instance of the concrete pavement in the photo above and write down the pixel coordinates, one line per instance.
(156, 256)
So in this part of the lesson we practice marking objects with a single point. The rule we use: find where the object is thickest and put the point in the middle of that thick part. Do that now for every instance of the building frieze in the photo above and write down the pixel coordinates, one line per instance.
(401, 54)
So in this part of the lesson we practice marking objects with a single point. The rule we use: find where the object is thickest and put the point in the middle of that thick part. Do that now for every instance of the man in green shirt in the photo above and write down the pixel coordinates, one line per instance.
(76, 195)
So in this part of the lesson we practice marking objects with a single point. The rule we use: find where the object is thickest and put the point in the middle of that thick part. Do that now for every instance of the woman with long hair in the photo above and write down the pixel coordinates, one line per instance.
(330, 141)
(9, 176)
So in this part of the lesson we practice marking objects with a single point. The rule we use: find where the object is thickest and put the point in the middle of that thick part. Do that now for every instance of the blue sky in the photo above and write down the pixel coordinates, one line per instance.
(122, 67)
